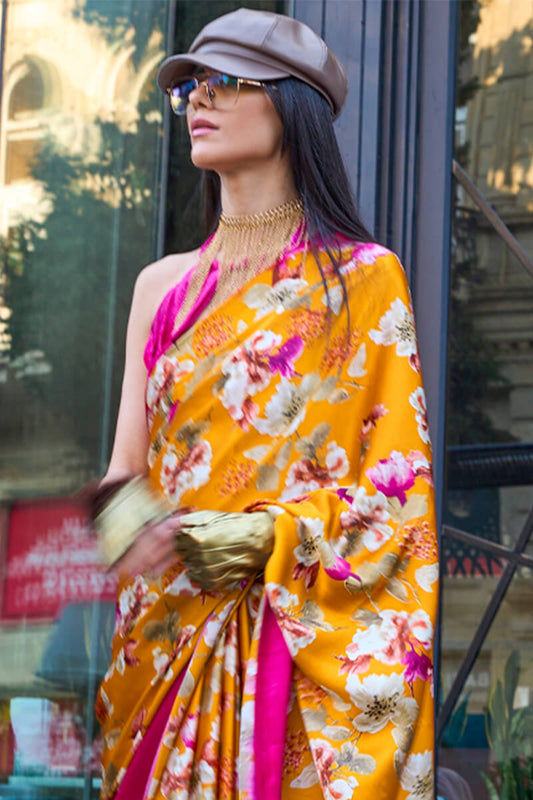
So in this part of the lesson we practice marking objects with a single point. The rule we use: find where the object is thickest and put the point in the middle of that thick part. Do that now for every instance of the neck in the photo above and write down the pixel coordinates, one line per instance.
(252, 192)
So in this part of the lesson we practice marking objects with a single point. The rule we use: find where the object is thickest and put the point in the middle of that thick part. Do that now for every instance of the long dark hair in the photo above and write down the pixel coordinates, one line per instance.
(318, 171)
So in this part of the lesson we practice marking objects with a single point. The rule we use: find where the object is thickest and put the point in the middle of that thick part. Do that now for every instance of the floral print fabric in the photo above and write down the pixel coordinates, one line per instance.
(271, 401)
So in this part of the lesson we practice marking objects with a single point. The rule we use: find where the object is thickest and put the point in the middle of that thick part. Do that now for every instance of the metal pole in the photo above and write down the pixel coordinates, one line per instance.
(165, 148)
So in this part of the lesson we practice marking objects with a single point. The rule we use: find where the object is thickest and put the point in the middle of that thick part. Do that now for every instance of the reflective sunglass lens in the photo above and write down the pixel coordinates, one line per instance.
(179, 96)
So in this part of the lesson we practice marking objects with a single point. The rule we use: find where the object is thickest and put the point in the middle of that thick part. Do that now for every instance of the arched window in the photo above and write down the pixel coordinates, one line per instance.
(27, 95)
(26, 101)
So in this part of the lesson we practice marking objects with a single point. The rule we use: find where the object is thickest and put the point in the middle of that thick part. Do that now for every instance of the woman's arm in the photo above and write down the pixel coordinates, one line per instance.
(154, 548)
(130, 447)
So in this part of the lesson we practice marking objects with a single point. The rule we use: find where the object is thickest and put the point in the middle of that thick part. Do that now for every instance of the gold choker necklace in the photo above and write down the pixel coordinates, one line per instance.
(243, 247)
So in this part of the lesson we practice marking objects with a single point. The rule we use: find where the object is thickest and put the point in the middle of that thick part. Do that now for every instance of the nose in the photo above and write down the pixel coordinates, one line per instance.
(198, 96)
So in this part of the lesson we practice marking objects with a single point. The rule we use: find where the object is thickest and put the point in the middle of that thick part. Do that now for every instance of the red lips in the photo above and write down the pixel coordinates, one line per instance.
(198, 122)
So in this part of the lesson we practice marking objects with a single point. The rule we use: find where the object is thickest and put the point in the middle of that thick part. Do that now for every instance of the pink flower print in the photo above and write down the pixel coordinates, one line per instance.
(249, 412)
(351, 666)
(247, 371)
(344, 494)
(129, 658)
(305, 476)
(388, 639)
(283, 360)
(417, 664)
(315, 549)
(336, 461)
(368, 513)
(335, 566)
(137, 724)
(421, 466)
(132, 603)
(418, 400)
(368, 252)
(308, 559)
(309, 572)
(369, 423)
(177, 775)
(167, 374)
(295, 632)
(414, 362)
(189, 729)
(393, 476)
(309, 474)
(191, 471)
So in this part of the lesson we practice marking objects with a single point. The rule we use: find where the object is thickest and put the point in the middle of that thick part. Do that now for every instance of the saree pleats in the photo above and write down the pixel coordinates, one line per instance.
(314, 679)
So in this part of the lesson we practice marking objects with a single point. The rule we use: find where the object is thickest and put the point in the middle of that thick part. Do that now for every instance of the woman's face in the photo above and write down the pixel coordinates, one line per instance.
(245, 136)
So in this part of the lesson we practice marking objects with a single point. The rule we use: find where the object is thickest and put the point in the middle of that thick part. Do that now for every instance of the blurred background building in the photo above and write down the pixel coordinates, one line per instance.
(95, 182)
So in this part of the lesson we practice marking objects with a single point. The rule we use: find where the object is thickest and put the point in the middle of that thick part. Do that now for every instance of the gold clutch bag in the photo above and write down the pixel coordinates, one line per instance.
(124, 515)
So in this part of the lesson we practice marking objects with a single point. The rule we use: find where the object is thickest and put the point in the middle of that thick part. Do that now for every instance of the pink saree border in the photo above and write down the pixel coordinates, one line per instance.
(274, 669)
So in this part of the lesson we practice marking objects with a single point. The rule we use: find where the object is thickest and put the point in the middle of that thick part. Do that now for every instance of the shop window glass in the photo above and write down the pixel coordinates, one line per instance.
(80, 172)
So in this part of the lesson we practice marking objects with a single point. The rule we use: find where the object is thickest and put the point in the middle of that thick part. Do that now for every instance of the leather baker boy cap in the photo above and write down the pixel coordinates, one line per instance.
(261, 45)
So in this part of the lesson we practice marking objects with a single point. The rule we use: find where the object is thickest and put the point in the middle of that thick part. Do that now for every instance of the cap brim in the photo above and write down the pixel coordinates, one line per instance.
(176, 67)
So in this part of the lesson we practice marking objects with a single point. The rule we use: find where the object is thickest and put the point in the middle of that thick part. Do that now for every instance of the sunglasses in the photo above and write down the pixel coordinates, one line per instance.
(222, 91)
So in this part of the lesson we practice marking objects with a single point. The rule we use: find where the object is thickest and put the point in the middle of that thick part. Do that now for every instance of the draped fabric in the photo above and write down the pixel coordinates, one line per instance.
(314, 679)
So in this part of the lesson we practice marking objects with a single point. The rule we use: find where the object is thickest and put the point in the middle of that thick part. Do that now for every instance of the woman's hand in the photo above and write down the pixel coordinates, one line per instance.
(153, 551)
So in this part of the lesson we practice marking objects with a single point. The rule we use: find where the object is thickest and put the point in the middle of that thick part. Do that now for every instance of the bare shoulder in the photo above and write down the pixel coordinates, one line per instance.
(156, 279)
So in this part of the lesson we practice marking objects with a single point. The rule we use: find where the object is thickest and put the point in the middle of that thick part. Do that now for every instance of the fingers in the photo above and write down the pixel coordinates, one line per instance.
(153, 550)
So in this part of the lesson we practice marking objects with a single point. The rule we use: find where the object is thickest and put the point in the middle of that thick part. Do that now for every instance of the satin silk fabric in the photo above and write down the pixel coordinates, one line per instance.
(313, 680)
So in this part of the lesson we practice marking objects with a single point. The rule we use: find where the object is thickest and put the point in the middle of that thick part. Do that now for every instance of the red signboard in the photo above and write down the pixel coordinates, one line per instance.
(51, 560)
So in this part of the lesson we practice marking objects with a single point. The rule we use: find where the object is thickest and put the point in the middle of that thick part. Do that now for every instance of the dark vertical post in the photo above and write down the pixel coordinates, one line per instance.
(433, 208)
(165, 147)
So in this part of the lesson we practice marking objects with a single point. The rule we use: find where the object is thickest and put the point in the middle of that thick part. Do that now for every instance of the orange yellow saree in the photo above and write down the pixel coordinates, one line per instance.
(314, 679)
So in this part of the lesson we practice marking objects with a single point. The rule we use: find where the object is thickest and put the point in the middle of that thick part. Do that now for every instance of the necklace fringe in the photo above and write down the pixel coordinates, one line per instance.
(243, 247)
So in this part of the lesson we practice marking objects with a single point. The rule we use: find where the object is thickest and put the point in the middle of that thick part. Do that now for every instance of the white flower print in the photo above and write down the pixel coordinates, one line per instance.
(215, 623)
(310, 531)
(322, 771)
(177, 776)
(369, 514)
(246, 747)
(283, 295)
(397, 326)
(418, 400)
(389, 637)
(336, 461)
(286, 410)
(335, 299)
(133, 601)
(166, 375)
(161, 662)
(368, 252)
(298, 628)
(182, 585)
(381, 699)
(356, 368)
(180, 473)
(308, 474)
(426, 576)
(247, 371)
(417, 776)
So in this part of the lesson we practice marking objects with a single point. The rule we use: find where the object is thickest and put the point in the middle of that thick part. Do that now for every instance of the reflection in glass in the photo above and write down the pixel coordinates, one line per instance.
(490, 385)
(79, 182)
(477, 742)
(80, 169)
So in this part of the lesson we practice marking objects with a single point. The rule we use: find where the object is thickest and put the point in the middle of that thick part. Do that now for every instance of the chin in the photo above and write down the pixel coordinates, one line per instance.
(206, 158)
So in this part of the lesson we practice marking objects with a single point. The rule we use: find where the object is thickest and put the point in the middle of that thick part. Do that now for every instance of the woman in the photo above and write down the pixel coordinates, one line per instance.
(285, 649)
